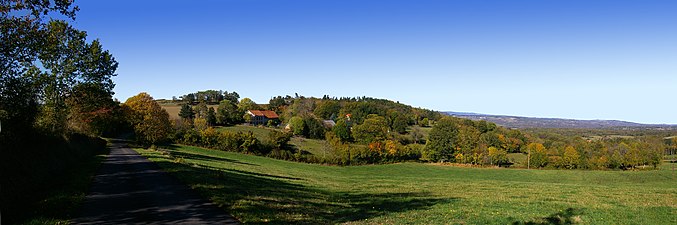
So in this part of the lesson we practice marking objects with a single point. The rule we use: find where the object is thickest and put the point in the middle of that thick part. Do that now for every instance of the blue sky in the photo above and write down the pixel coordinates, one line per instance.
(568, 59)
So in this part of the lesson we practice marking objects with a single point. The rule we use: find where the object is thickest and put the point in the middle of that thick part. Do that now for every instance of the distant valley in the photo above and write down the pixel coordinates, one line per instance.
(533, 122)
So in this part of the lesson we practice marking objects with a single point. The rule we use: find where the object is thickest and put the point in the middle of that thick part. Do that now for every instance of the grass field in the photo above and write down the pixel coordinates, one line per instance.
(261, 190)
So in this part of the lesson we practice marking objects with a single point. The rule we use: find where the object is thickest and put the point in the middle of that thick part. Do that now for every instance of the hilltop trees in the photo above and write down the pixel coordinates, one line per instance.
(209, 97)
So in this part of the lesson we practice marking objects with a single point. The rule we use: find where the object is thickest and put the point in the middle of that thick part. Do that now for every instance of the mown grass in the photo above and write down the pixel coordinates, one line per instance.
(264, 190)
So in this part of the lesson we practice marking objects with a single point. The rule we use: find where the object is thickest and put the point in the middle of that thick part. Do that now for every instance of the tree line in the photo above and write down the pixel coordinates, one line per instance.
(369, 130)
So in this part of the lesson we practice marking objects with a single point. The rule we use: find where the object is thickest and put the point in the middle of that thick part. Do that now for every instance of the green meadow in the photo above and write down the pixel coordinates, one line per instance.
(259, 190)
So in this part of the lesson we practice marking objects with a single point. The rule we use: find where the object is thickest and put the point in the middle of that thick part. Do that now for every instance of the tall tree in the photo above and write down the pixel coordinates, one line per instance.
(68, 60)
(186, 112)
(342, 131)
(442, 140)
(92, 110)
(211, 117)
(227, 113)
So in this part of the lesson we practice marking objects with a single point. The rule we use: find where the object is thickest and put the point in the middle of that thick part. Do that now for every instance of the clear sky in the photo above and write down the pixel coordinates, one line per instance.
(568, 59)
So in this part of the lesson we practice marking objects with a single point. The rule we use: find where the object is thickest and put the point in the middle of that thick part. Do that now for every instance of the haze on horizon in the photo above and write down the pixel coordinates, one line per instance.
(552, 59)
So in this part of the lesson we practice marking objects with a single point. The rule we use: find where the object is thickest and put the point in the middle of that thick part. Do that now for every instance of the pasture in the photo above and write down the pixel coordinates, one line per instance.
(261, 190)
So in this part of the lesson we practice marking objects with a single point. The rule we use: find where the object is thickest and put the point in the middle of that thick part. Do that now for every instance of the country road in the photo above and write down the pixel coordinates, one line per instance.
(129, 189)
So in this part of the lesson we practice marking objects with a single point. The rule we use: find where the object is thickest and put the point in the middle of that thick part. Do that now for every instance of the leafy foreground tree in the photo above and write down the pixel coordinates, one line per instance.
(55, 85)
(151, 122)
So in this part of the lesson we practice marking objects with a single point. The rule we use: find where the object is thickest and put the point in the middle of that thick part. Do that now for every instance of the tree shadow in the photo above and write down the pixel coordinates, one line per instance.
(261, 198)
(567, 216)
(175, 153)
(248, 172)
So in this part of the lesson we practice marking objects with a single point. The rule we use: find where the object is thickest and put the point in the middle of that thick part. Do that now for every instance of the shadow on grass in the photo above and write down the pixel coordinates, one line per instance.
(568, 216)
(260, 198)
(202, 157)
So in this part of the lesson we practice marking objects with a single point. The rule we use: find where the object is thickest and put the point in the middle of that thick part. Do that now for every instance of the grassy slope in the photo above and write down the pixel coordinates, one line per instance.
(263, 190)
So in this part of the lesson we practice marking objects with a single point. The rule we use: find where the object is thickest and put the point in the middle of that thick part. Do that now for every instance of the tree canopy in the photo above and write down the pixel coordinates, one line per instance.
(150, 121)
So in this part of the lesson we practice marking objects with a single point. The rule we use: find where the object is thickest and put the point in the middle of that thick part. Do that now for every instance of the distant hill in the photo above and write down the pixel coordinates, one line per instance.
(532, 122)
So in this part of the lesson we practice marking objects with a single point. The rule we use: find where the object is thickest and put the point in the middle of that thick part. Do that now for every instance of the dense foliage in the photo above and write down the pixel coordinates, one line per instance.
(150, 122)
(368, 130)
(55, 95)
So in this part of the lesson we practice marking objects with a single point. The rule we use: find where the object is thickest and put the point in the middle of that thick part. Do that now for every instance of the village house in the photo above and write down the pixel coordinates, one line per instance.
(261, 117)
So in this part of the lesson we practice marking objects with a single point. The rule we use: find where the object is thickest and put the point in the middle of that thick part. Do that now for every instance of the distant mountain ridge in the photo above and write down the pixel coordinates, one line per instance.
(533, 122)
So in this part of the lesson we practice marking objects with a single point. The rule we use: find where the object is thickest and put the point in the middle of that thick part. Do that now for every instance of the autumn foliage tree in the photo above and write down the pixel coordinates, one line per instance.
(92, 110)
(151, 122)
(537, 155)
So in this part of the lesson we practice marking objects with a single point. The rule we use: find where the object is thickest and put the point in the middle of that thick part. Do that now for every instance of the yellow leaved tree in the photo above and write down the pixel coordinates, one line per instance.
(151, 122)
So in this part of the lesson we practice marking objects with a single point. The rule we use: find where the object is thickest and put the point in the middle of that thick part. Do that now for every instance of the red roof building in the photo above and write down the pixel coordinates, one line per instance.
(261, 117)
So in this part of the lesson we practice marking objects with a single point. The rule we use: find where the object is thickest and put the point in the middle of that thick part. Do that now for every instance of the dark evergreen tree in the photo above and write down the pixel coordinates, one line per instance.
(186, 112)
(211, 117)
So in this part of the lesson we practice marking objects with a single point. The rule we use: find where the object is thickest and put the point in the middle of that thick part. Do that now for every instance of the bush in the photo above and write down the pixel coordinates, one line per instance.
(279, 140)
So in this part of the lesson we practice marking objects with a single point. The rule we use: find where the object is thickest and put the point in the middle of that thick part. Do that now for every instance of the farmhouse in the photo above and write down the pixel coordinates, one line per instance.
(261, 117)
